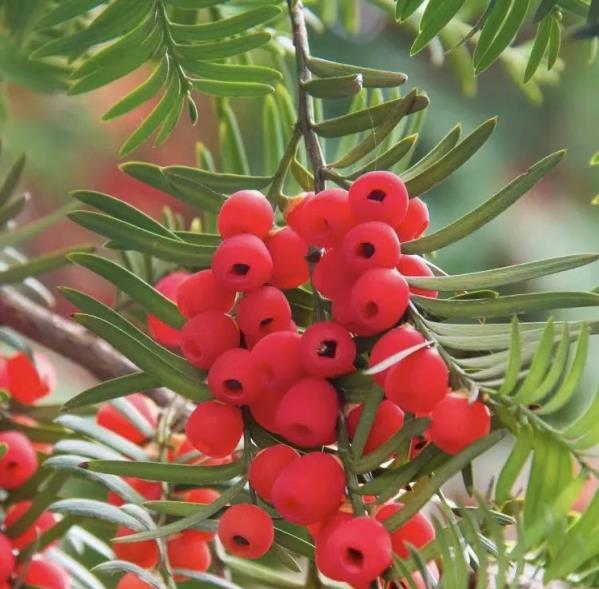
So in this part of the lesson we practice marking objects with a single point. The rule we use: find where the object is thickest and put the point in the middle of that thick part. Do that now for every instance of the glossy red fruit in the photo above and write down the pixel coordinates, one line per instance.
(327, 349)
(379, 298)
(245, 211)
(416, 266)
(19, 462)
(202, 496)
(309, 489)
(415, 222)
(42, 572)
(143, 554)
(388, 420)
(379, 196)
(332, 275)
(288, 252)
(277, 360)
(373, 244)
(358, 550)
(267, 466)
(417, 531)
(263, 311)
(205, 337)
(131, 581)
(109, 417)
(7, 559)
(307, 413)
(147, 489)
(264, 410)
(23, 379)
(456, 423)
(326, 218)
(418, 382)
(246, 530)
(42, 524)
(394, 341)
(232, 377)
(162, 332)
(215, 428)
(321, 533)
(200, 292)
(242, 263)
(294, 209)
(188, 550)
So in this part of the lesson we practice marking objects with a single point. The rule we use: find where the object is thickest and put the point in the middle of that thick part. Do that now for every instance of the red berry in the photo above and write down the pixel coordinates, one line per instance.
(417, 531)
(232, 378)
(215, 428)
(19, 462)
(379, 196)
(277, 360)
(415, 222)
(294, 210)
(24, 381)
(263, 311)
(379, 298)
(143, 553)
(267, 466)
(322, 532)
(332, 274)
(288, 252)
(343, 313)
(418, 382)
(163, 333)
(326, 218)
(42, 524)
(132, 581)
(309, 489)
(109, 417)
(200, 292)
(147, 489)
(7, 559)
(307, 413)
(416, 266)
(264, 410)
(202, 497)
(245, 211)
(242, 262)
(394, 341)
(388, 421)
(188, 550)
(456, 423)
(42, 572)
(371, 245)
(327, 349)
(358, 550)
(205, 337)
(246, 530)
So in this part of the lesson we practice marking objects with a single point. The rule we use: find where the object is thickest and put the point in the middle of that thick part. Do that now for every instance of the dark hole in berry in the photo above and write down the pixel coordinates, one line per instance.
(233, 385)
(241, 269)
(300, 429)
(328, 348)
(377, 195)
(240, 540)
(266, 321)
(366, 250)
(12, 465)
(371, 310)
(354, 557)
(314, 257)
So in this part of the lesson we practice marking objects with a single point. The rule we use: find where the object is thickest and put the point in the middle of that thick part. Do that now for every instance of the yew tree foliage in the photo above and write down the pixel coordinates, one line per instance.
(527, 371)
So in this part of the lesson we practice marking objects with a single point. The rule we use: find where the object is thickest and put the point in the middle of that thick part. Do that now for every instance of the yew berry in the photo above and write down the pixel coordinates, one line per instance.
(332, 274)
(19, 462)
(394, 341)
(359, 550)
(321, 532)
(344, 313)
(147, 489)
(205, 337)
(415, 222)
(379, 298)
(246, 530)
(266, 467)
(23, 379)
(42, 572)
(307, 413)
(42, 524)
(371, 245)
(201, 292)
(418, 382)
(288, 252)
(109, 417)
(309, 489)
(417, 531)
(264, 410)
(202, 496)
(132, 581)
(456, 423)
(327, 349)
(379, 196)
(388, 420)
(294, 210)
(215, 428)
(416, 266)
(245, 211)
(263, 311)
(232, 377)
(189, 550)
(143, 553)
(7, 559)
(242, 263)
(326, 218)
(163, 333)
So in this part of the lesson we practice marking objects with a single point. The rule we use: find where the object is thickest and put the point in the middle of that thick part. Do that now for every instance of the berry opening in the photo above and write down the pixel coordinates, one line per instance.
(354, 558)
(300, 429)
(233, 386)
(371, 310)
(241, 269)
(266, 321)
(327, 349)
(240, 540)
(366, 250)
(377, 195)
